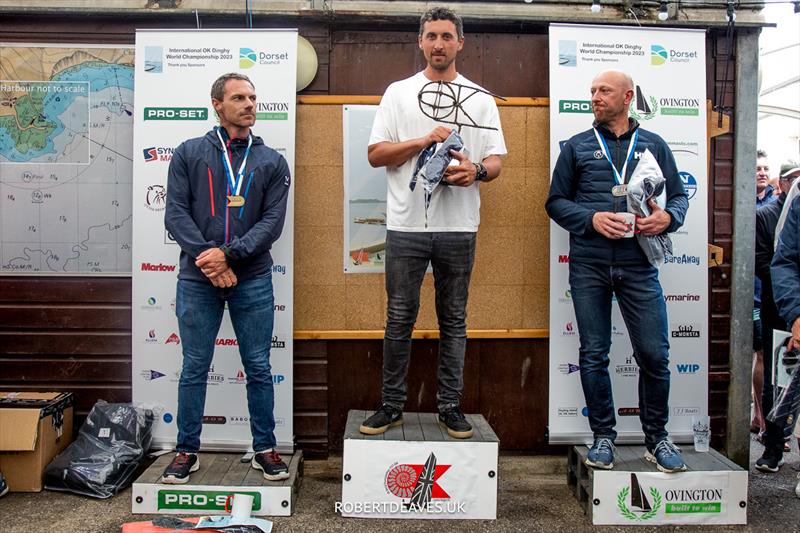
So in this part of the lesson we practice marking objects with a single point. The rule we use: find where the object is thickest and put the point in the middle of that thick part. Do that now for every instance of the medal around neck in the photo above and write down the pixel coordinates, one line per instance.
(235, 200)
(234, 183)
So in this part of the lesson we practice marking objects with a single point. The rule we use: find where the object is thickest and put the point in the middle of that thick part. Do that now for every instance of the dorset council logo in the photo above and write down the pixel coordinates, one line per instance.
(658, 54)
(247, 57)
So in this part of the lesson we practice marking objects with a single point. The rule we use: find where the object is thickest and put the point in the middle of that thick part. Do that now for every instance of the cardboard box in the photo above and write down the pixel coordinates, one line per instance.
(34, 428)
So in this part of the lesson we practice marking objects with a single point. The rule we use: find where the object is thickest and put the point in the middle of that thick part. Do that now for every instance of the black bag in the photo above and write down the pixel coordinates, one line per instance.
(110, 447)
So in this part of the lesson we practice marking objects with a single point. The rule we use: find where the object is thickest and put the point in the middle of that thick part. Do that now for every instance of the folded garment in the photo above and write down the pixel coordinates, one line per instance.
(647, 182)
(431, 165)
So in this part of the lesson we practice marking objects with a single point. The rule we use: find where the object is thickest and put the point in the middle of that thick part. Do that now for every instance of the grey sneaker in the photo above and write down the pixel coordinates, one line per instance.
(601, 454)
(666, 456)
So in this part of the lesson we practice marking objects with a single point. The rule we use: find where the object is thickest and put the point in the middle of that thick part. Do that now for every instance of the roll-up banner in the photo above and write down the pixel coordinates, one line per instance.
(668, 68)
(174, 73)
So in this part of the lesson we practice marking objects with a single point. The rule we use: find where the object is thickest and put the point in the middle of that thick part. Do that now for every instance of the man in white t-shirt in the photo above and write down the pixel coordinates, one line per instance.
(443, 233)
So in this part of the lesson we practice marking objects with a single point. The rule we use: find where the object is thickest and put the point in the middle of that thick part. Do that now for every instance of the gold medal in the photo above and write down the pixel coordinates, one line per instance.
(235, 201)
(619, 190)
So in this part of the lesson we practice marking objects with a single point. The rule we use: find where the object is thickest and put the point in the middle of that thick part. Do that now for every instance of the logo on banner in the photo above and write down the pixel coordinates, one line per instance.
(151, 305)
(279, 269)
(569, 330)
(239, 379)
(176, 113)
(278, 307)
(239, 420)
(563, 258)
(156, 198)
(633, 502)
(157, 153)
(151, 336)
(627, 370)
(616, 332)
(226, 342)
(567, 412)
(214, 378)
(160, 267)
(272, 111)
(685, 411)
(688, 368)
(567, 297)
(247, 57)
(215, 420)
(687, 297)
(277, 343)
(684, 148)
(658, 54)
(689, 182)
(568, 368)
(643, 107)
(173, 339)
(574, 106)
(681, 107)
(168, 238)
(686, 331)
(150, 375)
(682, 259)
(417, 483)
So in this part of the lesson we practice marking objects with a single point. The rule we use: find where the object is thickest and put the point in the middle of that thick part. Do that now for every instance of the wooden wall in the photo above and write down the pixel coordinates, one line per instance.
(74, 333)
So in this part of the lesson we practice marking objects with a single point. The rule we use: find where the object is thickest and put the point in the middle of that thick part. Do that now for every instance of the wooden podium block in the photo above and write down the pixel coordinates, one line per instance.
(220, 475)
(417, 470)
(713, 489)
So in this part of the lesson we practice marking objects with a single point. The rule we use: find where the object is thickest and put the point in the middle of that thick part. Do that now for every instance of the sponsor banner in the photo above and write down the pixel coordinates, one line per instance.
(174, 72)
(415, 479)
(155, 498)
(668, 70)
(650, 498)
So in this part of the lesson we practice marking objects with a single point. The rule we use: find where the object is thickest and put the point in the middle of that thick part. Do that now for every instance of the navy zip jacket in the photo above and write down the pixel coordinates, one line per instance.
(197, 214)
(581, 186)
(786, 267)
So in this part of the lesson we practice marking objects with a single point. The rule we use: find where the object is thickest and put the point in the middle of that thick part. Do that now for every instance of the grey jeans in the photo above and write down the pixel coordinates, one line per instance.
(407, 256)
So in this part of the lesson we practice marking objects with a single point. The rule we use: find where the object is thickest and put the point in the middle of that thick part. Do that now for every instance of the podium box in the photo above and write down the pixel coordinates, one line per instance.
(417, 470)
(220, 475)
(713, 489)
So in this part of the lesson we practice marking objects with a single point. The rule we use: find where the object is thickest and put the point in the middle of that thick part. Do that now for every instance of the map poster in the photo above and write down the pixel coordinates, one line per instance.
(364, 195)
(66, 124)
(174, 73)
(668, 70)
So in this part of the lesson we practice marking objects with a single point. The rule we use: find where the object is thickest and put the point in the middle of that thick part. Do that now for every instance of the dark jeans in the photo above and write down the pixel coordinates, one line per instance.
(641, 302)
(407, 256)
(199, 307)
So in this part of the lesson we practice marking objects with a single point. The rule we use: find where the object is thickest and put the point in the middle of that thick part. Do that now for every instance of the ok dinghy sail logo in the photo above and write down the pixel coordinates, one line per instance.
(640, 508)
(417, 483)
(642, 106)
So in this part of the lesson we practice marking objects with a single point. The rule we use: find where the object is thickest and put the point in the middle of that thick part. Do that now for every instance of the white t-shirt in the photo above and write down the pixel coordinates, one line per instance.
(400, 119)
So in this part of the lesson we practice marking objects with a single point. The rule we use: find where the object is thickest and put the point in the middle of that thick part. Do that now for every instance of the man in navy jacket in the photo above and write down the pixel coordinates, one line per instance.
(587, 198)
(226, 204)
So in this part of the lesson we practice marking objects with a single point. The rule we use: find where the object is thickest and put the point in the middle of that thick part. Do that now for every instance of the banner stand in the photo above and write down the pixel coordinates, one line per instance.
(712, 491)
(418, 471)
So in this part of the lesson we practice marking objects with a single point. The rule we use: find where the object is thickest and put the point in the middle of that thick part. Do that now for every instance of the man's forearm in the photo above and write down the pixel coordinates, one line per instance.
(389, 154)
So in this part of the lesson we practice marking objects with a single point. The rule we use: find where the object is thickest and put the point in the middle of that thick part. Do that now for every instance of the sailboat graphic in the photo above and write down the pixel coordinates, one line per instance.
(422, 490)
(639, 500)
(641, 102)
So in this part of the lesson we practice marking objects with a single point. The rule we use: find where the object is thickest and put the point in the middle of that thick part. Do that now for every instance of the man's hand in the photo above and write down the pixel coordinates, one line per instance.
(212, 262)
(610, 225)
(224, 279)
(437, 135)
(656, 223)
(794, 342)
(463, 174)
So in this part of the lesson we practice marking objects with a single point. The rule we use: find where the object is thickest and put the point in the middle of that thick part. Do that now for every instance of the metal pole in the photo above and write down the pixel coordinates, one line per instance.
(737, 442)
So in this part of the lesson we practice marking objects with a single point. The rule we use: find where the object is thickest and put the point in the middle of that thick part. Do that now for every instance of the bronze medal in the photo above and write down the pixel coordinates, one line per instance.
(235, 201)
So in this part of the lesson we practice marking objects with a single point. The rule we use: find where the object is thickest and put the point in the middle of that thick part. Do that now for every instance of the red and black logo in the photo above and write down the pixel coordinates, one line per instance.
(417, 483)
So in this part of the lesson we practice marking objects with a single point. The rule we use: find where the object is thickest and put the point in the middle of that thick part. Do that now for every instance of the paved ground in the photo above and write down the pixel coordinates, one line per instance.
(533, 497)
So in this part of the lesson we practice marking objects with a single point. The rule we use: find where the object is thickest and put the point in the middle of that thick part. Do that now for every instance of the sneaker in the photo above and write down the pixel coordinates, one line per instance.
(177, 473)
(3, 486)
(384, 418)
(666, 456)
(797, 488)
(770, 461)
(601, 454)
(456, 423)
(270, 463)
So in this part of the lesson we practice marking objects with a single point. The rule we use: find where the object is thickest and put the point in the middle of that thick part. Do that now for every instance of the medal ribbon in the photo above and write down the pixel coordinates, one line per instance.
(619, 178)
(235, 185)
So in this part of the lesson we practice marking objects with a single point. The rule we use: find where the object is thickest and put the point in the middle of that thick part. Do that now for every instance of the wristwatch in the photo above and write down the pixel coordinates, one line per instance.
(480, 172)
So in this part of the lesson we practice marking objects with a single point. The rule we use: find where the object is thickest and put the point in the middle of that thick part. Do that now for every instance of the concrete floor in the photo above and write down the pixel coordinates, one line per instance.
(533, 497)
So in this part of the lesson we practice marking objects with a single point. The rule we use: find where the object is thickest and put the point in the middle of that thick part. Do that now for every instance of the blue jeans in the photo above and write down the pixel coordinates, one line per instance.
(641, 302)
(407, 256)
(199, 307)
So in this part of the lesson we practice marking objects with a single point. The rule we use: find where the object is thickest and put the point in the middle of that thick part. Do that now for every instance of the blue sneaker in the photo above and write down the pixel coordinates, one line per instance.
(666, 456)
(601, 454)
(3, 485)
